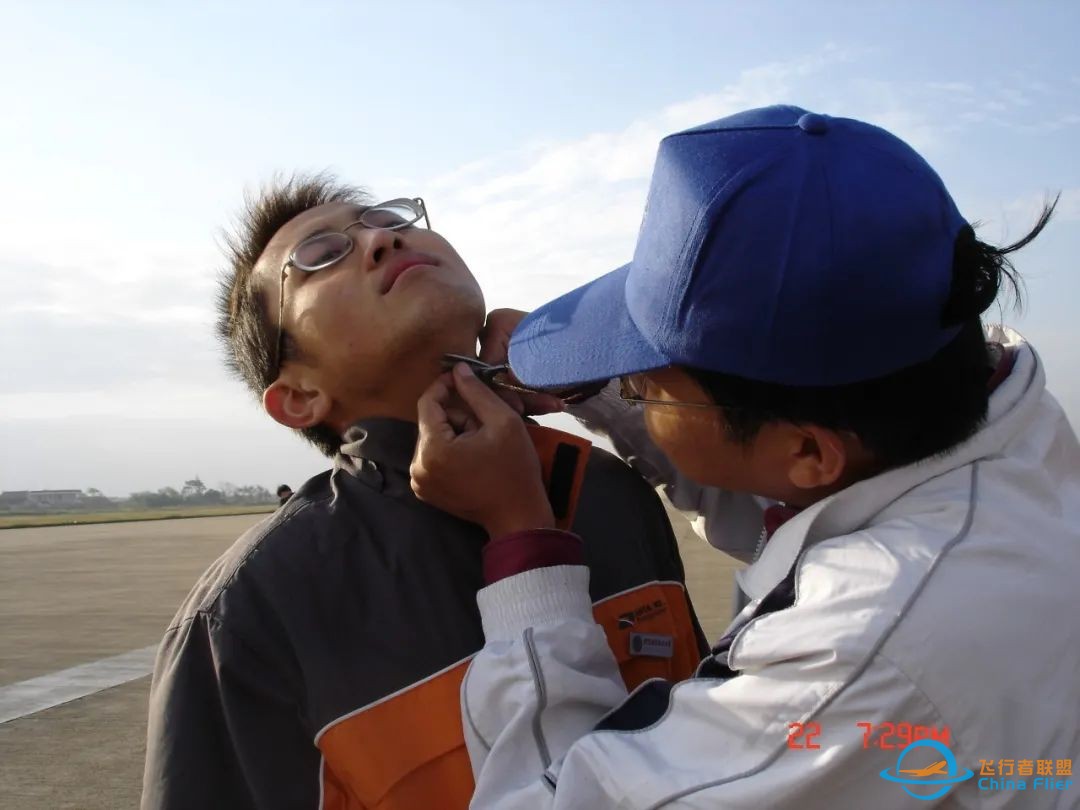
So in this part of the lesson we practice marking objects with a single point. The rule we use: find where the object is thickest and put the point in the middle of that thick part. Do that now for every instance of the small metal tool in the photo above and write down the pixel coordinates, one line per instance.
(488, 374)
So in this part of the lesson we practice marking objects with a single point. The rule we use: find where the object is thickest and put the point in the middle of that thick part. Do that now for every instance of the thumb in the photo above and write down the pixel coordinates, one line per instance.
(485, 403)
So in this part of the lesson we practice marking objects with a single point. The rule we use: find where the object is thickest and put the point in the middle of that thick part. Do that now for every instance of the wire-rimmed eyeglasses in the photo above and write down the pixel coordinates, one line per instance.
(632, 388)
(324, 250)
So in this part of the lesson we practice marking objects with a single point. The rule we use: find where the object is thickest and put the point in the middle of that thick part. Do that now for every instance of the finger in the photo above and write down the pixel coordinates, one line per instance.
(513, 399)
(494, 345)
(431, 416)
(455, 403)
(485, 403)
(441, 389)
(495, 336)
(461, 420)
(539, 404)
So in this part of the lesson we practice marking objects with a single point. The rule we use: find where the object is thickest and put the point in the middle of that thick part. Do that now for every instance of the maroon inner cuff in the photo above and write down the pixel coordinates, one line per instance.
(1004, 368)
(535, 548)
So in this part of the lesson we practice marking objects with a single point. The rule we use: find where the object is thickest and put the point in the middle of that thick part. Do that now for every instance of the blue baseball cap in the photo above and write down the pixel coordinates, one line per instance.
(778, 245)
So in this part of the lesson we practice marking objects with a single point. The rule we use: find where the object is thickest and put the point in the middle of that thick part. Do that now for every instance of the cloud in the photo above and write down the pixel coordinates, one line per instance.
(545, 218)
(1012, 218)
(134, 278)
(51, 352)
(1068, 209)
(86, 328)
(551, 215)
(963, 89)
(625, 154)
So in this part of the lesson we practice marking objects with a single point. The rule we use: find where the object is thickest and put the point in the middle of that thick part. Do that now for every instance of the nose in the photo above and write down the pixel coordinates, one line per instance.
(376, 243)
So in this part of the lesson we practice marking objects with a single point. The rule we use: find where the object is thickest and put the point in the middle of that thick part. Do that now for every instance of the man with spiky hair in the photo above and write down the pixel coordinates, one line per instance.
(318, 662)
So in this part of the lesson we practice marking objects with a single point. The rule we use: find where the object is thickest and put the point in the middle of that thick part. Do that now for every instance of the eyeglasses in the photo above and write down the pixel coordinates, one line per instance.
(632, 389)
(327, 249)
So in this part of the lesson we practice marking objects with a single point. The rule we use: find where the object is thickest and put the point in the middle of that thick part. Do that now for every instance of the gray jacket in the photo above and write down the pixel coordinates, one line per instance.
(317, 662)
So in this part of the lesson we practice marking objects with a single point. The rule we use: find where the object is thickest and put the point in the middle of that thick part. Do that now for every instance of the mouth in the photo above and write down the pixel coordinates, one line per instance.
(396, 268)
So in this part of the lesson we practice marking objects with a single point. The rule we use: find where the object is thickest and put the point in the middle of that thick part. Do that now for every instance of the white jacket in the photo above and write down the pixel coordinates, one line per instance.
(943, 594)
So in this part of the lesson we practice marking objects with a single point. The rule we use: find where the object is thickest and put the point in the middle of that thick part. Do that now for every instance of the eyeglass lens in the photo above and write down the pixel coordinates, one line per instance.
(632, 386)
(390, 215)
(321, 251)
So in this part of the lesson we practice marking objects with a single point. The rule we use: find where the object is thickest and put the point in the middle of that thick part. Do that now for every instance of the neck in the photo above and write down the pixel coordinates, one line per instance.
(408, 381)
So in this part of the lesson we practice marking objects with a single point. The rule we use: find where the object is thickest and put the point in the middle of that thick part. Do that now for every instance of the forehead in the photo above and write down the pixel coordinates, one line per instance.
(328, 216)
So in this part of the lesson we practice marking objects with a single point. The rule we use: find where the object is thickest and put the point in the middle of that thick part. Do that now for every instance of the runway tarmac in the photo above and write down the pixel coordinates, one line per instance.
(72, 596)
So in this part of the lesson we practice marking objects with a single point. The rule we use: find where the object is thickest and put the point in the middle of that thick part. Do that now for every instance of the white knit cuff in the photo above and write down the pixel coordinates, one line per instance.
(540, 596)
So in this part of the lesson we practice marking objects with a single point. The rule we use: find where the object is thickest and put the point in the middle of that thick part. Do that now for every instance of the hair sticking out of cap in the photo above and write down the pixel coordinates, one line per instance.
(980, 270)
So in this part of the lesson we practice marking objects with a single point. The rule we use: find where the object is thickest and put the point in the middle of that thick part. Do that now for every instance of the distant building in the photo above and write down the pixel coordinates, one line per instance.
(16, 497)
(37, 498)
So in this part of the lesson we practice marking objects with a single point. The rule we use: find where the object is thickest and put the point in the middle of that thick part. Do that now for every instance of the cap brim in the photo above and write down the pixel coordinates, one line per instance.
(584, 336)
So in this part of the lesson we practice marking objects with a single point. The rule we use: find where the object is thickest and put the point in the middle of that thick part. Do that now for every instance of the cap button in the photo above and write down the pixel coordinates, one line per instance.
(813, 124)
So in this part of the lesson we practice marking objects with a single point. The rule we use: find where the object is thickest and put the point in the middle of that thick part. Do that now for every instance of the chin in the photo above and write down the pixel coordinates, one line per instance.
(448, 306)
(448, 324)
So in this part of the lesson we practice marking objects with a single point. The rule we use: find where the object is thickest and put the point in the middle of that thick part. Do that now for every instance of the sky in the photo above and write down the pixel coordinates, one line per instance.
(130, 131)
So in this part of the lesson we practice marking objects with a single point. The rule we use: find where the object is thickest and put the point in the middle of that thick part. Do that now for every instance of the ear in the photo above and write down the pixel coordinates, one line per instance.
(818, 456)
(296, 404)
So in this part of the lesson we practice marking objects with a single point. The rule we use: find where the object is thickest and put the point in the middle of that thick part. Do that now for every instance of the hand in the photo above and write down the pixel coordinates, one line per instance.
(494, 349)
(479, 466)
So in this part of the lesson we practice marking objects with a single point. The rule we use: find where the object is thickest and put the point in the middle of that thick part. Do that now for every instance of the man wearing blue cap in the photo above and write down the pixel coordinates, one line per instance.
(800, 324)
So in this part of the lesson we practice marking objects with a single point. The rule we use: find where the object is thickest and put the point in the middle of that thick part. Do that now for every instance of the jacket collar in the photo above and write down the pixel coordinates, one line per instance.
(379, 452)
(1012, 406)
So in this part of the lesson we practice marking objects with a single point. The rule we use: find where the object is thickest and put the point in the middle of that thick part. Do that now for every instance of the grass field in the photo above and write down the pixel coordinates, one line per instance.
(126, 515)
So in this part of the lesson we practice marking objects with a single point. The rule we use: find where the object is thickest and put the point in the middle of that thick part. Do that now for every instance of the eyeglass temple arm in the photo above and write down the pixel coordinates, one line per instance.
(280, 315)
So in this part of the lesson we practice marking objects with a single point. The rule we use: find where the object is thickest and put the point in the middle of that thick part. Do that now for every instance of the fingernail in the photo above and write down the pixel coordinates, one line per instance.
(463, 370)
